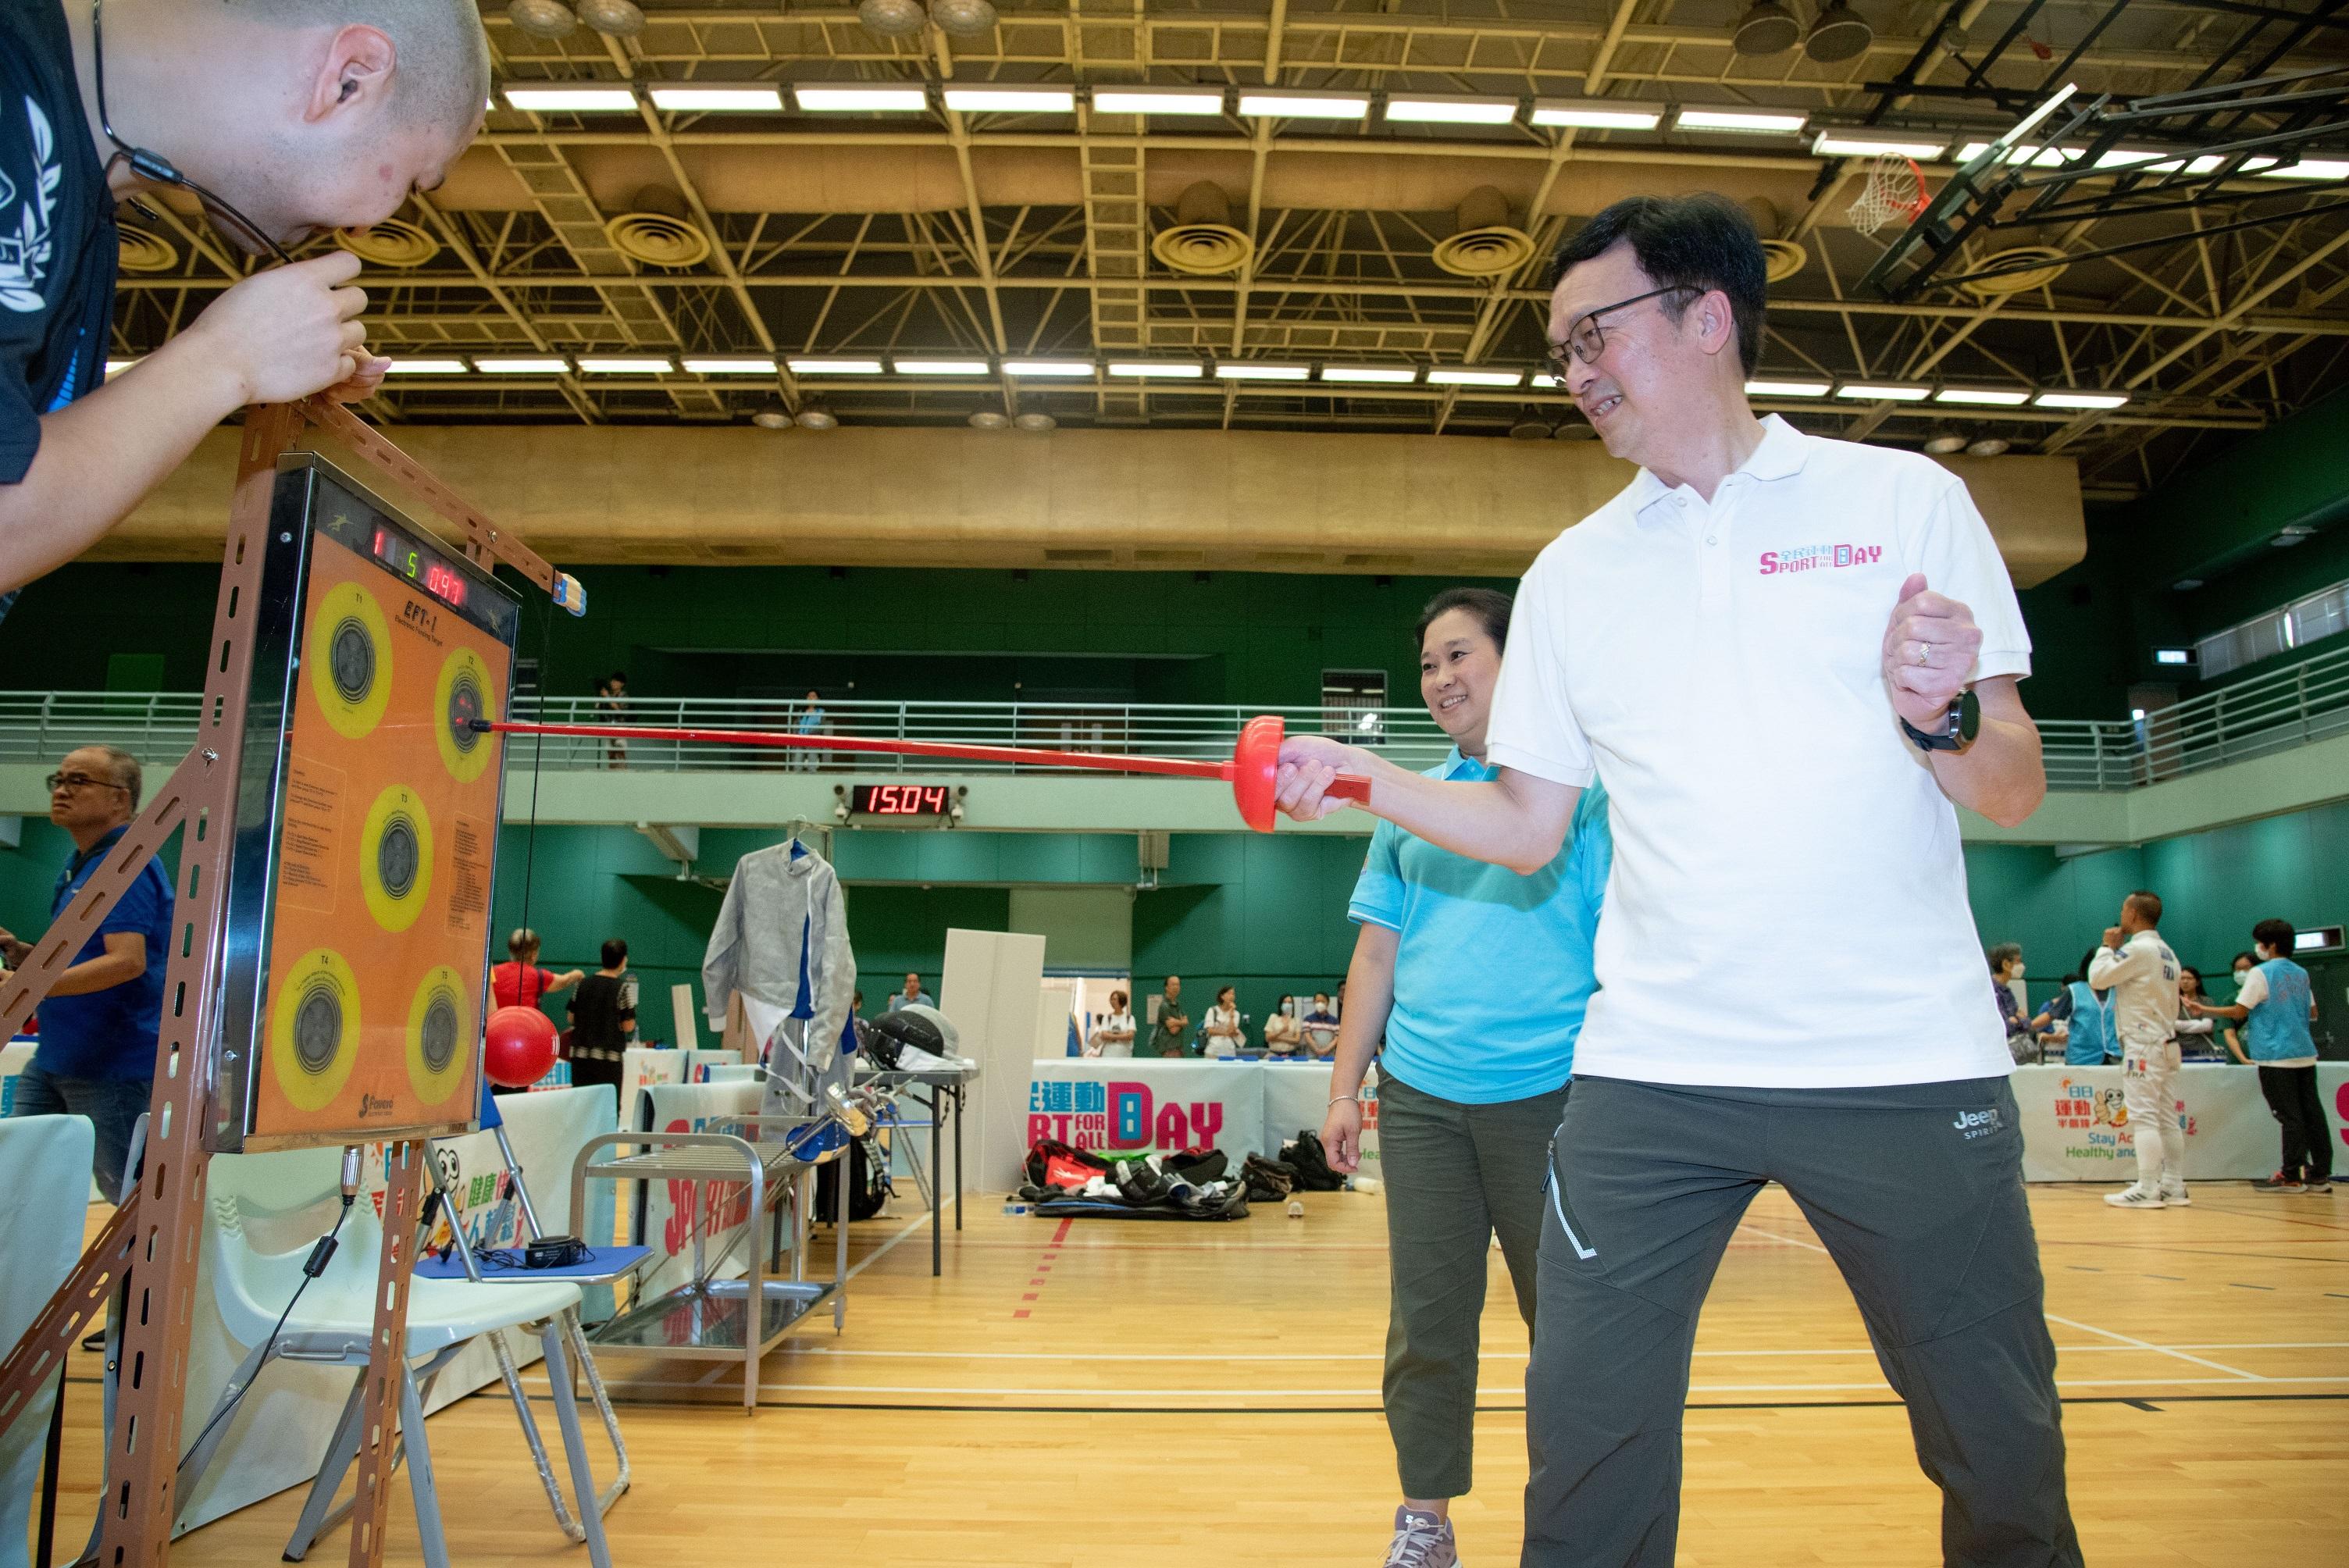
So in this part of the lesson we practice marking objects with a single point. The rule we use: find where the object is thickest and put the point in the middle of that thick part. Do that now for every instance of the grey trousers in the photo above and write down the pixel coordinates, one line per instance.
(1917, 1192)
(1456, 1175)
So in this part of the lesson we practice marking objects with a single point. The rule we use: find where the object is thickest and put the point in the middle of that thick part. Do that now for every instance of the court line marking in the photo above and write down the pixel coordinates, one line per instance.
(1790, 1240)
(2146, 1344)
(1065, 1357)
(940, 1390)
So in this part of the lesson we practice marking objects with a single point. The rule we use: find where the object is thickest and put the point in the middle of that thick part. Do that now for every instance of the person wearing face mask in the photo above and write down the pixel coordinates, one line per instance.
(1284, 1035)
(2078, 1009)
(1472, 1077)
(2275, 1005)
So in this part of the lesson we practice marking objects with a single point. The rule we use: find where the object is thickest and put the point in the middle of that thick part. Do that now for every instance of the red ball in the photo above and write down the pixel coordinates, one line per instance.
(519, 1049)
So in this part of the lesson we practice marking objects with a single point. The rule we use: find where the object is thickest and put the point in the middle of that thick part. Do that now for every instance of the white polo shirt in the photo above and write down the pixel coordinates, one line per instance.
(1787, 906)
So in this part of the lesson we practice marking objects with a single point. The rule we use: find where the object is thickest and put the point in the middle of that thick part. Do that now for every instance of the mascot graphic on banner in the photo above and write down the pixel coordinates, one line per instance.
(2095, 1121)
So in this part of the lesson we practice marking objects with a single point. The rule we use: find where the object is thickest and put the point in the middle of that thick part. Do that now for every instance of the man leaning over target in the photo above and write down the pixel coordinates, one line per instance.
(1788, 659)
(283, 118)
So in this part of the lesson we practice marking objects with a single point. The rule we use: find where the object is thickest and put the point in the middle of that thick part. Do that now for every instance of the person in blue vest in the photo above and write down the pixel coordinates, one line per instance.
(2090, 1041)
(2274, 1004)
(1478, 979)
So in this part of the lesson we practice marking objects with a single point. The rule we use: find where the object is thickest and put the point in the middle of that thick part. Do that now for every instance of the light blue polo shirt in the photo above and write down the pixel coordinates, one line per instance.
(1493, 970)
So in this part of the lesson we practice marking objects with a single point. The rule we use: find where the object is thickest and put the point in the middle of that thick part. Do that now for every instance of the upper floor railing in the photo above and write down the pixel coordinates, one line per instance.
(2273, 712)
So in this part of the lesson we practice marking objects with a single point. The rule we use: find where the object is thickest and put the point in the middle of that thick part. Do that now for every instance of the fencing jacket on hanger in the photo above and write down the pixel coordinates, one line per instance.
(781, 940)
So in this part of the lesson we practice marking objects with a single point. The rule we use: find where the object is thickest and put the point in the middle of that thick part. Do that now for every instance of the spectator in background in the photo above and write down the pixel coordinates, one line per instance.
(2141, 971)
(2195, 1031)
(612, 707)
(2244, 964)
(913, 995)
(2087, 1041)
(1221, 1035)
(1284, 1032)
(2275, 1005)
(2022, 1032)
(101, 1017)
(1113, 1033)
(520, 982)
(811, 722)
(1166, 1035)
(603, 1019)
(1322, 1027)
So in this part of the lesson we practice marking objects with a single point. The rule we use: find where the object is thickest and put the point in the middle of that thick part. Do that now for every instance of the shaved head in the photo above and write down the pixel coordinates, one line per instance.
(443, 72)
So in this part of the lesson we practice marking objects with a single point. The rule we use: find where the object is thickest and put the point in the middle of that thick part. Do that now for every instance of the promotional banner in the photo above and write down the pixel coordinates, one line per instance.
(278, 1437)
(668, 1212)
(2076, 1125)
(43, 1162)
(1131, 1106)
(644, 1065)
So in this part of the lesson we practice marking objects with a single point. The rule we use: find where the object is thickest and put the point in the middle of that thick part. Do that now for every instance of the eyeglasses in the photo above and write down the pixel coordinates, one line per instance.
(157, 168)
(1586, 340)
(56, 781)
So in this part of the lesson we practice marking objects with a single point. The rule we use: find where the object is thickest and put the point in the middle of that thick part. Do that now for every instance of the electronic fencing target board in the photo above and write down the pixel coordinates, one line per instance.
(356, 975)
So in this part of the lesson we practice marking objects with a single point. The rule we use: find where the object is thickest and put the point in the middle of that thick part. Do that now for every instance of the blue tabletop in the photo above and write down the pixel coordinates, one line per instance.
(603, 1266)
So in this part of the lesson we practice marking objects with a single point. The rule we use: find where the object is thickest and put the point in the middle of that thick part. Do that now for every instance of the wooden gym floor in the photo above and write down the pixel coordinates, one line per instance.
(1138, 1394)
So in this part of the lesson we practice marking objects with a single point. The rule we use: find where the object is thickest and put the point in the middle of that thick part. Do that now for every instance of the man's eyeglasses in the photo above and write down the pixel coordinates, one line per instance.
(56, 781)
(1586, 340)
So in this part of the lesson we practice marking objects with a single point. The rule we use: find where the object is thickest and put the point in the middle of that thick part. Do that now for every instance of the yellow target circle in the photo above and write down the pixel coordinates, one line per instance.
(314, 1028)
(349, 654)
(440, 1035)
(396, 857)
(462, 695)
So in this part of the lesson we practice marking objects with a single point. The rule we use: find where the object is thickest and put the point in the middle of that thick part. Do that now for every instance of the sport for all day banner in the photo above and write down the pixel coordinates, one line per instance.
(2076, 1125)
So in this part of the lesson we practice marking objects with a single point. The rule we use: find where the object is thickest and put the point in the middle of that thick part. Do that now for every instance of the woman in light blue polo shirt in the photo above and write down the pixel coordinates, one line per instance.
(1478, 979)
(2081, 1009)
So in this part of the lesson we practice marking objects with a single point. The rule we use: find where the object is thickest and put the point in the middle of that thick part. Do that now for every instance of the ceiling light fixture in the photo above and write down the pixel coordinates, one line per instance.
(1884, 391)
(1766, 28)
(1011, 100)
(614, 19)
(542, 19)
(1744, 121)
(572, 100)
(1304, 105)
(774, 415)
(624, 364)
(427, 368)
(730, 365)
(1450, 109)
(816, 417)
(990, 419)
(1370, 375)
(1839, 34)
(1161, 370)
(815, 98)
(834, 366)
(1597, 114)
(1988, 447)
(2309, 168)
(1036, 367)
(681, 97)
(1942, 445)
(1460, 375)
(1036, 424)
(1788, 388)
(963, 18)
(2073, 398)
(1985, 397)
(521, 366)
(940, 366)
(1863, 144)
(892, 18)
(1158, 100)
(1257, 370)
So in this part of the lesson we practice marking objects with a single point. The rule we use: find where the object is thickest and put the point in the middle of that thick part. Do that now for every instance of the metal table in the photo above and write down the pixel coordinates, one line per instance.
(708, 1317)
(943, 1086)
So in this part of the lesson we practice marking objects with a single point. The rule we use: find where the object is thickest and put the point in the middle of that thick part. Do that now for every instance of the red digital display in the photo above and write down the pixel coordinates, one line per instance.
(404, 556)
(900, 800)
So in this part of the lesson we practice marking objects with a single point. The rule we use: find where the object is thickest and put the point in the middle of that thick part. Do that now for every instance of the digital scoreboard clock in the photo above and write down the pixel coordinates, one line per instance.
(900, 800)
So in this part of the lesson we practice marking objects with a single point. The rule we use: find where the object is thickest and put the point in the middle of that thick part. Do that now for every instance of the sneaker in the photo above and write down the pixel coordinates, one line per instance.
(2176, 1197)
(2281, 1182)
(2317, 1184)
(2135, 1197)
(1421, 1540)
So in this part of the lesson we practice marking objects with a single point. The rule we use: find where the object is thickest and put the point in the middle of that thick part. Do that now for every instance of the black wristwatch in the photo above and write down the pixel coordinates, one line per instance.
(1957, 730)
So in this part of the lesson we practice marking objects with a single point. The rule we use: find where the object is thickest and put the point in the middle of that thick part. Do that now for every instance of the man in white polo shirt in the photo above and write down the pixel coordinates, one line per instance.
(1786, 658)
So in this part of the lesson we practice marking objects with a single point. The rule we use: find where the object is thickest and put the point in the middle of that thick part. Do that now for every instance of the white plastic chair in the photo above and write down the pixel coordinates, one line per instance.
(332, 1324)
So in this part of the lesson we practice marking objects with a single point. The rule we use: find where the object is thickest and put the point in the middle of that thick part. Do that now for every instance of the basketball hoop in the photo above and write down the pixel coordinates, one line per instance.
(1895, 189)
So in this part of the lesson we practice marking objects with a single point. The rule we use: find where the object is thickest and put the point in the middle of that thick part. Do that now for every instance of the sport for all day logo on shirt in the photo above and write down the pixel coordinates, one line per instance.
(1818, 557)
(24, 242)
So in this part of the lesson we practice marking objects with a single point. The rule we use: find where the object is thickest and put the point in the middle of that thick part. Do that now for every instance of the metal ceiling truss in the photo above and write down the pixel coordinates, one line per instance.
(2215, 299)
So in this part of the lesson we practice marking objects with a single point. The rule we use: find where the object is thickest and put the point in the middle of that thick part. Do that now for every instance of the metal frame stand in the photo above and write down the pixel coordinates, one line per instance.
(148, 1250)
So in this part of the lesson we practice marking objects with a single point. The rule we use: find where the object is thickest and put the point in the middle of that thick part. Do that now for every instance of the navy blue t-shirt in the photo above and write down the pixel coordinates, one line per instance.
(58, 238)
(110, 1034)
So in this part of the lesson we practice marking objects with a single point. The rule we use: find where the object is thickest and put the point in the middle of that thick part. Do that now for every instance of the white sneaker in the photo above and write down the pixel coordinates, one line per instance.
(2176, 1197)
(2135, 1198)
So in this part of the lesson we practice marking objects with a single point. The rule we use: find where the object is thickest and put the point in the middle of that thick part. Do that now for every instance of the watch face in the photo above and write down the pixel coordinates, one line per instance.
(1969, 715)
